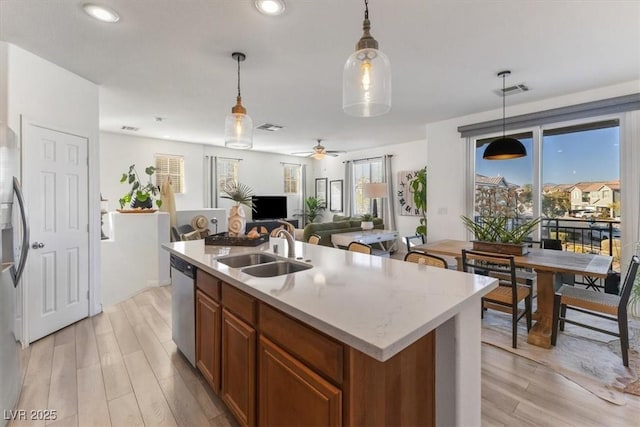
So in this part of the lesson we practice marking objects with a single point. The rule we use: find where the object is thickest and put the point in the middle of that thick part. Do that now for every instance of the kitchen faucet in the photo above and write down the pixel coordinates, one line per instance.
(290, 242)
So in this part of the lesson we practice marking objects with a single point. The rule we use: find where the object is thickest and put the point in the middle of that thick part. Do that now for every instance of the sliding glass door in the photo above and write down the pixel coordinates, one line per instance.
(570, 176)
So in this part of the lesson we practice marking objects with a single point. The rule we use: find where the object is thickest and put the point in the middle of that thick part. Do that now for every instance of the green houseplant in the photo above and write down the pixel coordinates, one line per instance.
(499, 233)
(139, 195)
(419, 190)
(313, 208)
(367, 221)
(241, 194)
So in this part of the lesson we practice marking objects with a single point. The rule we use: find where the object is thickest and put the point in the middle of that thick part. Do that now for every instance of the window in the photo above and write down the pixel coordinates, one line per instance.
(226, 172)
(504, 187)
(365, 171)
(171, 167)
(577, 190)
(581, 159)
(291, 178)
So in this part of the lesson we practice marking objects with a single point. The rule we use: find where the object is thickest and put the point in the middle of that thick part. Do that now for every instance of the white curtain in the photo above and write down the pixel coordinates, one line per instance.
(303, 195)
(209, 187)
(630, 188)
(389, 214)
(348, 188)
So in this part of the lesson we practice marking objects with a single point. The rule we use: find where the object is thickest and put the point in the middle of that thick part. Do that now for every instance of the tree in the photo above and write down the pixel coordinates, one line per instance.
(555, 204)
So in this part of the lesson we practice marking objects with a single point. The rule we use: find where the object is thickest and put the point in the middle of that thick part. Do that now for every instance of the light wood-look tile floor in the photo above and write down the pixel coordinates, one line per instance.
(121, 368)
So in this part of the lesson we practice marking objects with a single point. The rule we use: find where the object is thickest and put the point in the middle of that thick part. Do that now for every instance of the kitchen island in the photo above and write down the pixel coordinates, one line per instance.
(353, 339)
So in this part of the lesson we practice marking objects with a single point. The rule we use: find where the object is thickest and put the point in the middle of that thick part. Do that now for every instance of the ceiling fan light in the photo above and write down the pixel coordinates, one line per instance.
(504, 148)
(318, 155)
(366, 78)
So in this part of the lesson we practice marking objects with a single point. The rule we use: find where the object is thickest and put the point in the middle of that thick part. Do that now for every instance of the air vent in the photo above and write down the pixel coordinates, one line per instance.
(269, 127)
(512, 90)
(130, 128)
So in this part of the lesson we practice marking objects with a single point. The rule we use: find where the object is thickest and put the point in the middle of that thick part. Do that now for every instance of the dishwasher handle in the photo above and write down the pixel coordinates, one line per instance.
(183, 266)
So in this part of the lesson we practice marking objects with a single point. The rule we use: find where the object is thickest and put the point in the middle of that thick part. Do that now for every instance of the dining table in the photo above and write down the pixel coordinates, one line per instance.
(545, 263)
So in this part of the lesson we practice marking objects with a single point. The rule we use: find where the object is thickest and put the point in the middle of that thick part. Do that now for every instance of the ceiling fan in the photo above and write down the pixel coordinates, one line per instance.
(319, 152)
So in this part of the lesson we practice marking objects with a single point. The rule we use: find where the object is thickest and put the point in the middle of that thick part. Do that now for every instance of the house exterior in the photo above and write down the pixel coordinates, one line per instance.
(602, 197)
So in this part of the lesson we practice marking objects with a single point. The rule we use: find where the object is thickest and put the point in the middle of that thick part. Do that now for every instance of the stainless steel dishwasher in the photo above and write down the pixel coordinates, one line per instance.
(183, 318)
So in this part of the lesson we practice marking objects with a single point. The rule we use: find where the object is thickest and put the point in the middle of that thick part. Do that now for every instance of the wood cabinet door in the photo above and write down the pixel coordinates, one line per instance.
(238, 368)
(208, 339)
(291, 394)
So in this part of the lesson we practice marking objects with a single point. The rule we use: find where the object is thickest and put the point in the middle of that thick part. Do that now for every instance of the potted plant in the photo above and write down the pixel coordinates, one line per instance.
(241, 194)
(419, 190)
(367, 221)
(313, 208)
(500, 234)
(139, 196)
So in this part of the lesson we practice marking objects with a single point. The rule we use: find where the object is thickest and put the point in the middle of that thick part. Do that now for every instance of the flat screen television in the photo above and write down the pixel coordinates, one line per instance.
(269, 207)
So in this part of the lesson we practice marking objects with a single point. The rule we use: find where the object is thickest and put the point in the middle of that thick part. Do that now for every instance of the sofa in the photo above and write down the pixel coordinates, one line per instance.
(340, 224)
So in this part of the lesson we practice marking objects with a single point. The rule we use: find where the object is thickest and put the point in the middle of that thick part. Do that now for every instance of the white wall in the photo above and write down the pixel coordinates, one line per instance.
(45, 94)
(133, 258)
(261, 171)
(118, 152)
(446, 154)
(406, 156)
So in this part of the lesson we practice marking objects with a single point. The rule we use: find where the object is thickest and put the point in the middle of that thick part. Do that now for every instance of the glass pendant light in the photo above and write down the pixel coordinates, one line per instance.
(504, 148)
(366, 80)
(238, 126)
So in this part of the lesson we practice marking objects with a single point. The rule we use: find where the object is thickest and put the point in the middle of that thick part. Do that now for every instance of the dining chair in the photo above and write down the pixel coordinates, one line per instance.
(509, 294)
(605, 306)
(314, 239)
(416, 239)
(184, 232)
(422, 258)
(359, 247)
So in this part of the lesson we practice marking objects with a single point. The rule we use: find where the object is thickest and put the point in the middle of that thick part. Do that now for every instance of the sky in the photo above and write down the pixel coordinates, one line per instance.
(592, 155)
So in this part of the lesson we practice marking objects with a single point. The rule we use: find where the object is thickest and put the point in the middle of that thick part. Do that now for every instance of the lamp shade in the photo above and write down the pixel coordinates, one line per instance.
(366, 84)
(375, 190)
(238, 131)
(504, 148)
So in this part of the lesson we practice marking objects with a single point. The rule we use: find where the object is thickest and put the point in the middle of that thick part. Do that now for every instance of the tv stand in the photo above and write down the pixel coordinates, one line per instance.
(269, 224)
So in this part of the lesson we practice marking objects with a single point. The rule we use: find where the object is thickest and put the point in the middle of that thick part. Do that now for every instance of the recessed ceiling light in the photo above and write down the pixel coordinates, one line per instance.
(101, 13)
(270, 7)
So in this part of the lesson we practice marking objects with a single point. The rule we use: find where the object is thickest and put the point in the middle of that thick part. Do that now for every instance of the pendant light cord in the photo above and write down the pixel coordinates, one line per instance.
(503, 107)
(366, 9)
(239, 77)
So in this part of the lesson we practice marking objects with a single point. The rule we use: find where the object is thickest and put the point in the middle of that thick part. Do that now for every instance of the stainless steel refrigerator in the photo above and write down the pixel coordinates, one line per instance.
(14, 245)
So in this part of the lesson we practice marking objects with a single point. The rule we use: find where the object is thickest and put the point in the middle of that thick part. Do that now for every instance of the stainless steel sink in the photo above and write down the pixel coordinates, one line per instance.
(245, 260)
(276, 268)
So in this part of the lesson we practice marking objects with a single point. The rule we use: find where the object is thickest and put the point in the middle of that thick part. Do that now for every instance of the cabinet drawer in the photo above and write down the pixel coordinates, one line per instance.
(208, 284)
(315, 349)
(241, 304)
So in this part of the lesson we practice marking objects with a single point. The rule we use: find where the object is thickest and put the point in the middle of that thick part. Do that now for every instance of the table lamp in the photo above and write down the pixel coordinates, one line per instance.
(375, 190)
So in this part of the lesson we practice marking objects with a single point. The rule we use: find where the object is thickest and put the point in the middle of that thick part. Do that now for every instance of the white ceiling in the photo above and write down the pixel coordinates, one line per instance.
(172, 58)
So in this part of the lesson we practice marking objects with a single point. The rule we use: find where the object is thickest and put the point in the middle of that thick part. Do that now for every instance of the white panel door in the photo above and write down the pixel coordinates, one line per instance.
(56, 192)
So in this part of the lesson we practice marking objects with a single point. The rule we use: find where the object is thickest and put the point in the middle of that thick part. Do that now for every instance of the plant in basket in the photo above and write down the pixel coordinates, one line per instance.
(139, 196)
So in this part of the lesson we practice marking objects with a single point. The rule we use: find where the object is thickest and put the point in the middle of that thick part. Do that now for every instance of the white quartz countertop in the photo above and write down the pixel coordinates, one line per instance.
(377, 305)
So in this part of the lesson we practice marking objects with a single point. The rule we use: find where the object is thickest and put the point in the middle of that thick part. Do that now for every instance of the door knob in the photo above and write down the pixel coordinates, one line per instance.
(37, 245)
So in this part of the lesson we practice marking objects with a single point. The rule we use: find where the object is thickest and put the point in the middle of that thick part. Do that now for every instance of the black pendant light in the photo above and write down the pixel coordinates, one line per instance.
(504, 148)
